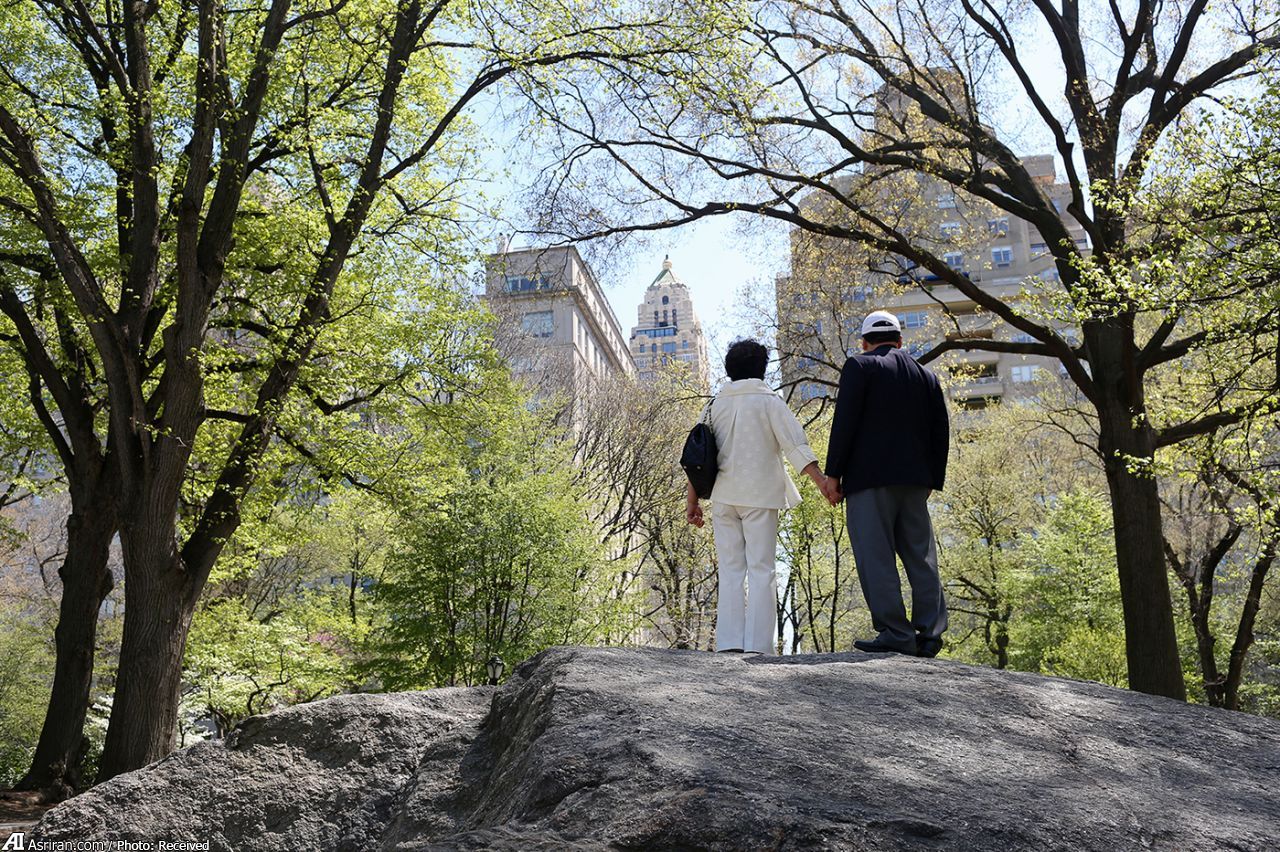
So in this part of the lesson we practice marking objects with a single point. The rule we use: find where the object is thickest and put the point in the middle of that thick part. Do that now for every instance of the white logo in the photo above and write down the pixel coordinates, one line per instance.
(17, 840)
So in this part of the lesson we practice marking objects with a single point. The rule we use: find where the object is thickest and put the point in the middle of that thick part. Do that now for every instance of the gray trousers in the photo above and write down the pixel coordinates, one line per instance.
(885, 523)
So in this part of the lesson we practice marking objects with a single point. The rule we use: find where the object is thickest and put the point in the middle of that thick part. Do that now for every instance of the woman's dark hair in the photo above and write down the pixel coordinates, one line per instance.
(875, 338)
(746, 359)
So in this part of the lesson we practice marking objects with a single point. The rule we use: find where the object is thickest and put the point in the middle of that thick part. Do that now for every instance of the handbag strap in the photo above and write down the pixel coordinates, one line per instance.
(706, 412)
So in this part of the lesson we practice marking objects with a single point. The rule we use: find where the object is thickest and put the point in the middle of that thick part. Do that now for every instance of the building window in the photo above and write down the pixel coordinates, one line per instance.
(949, 230)
(954, 259)
(947, 201)
(857, 293)
(669, 346)
(987, 376)
(1057, 205)
(998, 227)
(1023, 337)
(665, 299)
(918, 347)
(684, 344)
(809, 391)
(898, 264)
(914, 319)
(1039, 248)
(527, 283)
(1002, 255)
(538, 323)
(655, 316)
(1023, 375)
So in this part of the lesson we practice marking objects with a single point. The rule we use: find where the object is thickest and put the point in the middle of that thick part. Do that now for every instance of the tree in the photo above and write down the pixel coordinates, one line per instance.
(820, 600)
(1221, 542)
(1071, 624)
(1219, 487)
(24, 662)
(506, 563)
(827, 116)
(48, 365)
(985, 514)
(626, 449)
(227, 160)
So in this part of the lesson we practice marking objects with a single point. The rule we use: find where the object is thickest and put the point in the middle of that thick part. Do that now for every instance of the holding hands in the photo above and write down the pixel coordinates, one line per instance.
(830, 488)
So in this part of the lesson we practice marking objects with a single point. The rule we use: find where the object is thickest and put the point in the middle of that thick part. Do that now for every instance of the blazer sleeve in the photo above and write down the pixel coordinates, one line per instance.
(844, 423)
(790, 435)
(939, 435)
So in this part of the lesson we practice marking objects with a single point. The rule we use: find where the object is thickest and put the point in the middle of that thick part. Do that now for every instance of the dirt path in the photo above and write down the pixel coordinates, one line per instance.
(19, 812)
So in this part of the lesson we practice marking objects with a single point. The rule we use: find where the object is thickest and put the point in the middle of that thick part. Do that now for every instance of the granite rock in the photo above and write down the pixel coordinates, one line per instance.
(620, 749)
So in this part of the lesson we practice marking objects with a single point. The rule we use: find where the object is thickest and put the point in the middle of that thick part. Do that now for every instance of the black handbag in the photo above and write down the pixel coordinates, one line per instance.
(699, 456)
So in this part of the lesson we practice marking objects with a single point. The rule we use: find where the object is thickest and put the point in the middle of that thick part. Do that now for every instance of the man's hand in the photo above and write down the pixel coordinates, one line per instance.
(831, 490)
(693, 513)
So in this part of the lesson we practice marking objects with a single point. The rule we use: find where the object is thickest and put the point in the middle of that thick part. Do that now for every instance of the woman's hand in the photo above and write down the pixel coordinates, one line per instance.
(692, 508)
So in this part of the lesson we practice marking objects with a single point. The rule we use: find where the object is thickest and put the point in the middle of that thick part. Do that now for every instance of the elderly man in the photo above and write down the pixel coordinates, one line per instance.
(888, 450)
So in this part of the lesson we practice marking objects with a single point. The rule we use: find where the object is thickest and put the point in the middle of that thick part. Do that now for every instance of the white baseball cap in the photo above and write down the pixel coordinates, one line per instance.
(878, 321)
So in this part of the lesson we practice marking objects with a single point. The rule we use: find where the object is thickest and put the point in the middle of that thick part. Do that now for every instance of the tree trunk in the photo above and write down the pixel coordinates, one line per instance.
(157, 616)
(1001, 623)
(1205, 642)
(1244, 632)
(86, 580)
(1151, 643)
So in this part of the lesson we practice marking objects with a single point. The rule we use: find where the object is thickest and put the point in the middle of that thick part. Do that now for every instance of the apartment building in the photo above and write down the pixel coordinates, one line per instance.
(834, 284)
(556, 328)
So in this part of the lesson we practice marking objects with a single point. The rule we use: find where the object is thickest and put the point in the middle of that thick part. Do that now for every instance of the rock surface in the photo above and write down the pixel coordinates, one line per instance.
(589, 749)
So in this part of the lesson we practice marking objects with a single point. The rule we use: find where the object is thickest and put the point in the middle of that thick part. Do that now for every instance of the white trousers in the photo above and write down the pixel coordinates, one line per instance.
(746, 544)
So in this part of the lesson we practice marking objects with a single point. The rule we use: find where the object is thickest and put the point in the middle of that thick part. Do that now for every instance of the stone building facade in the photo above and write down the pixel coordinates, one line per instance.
(668, 330)
(556, 328)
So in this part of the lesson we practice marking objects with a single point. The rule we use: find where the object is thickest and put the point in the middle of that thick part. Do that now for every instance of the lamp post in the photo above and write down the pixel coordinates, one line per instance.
(495, 667)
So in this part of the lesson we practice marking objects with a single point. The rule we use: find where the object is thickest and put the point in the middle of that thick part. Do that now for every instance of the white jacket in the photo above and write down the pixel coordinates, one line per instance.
(754, 429)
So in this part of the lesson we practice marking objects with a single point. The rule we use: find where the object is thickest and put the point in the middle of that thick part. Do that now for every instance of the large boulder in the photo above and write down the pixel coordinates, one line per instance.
(606, 748)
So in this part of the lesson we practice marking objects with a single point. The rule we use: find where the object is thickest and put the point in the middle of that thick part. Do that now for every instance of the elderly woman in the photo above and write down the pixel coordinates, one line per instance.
(754, 431)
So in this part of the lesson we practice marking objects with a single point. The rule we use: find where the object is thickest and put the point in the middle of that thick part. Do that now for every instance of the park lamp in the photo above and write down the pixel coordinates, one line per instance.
(495, 667)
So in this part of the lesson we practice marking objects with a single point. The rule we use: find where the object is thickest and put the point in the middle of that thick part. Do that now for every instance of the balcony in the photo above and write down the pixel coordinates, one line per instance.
(980, 391)
(976, 356)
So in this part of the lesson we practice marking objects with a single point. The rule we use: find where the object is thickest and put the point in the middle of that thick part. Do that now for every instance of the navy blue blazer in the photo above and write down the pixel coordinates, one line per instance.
(890, 425)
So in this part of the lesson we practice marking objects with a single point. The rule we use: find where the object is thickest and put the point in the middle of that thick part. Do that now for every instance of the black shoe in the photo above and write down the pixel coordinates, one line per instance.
(926, 647)
(875, 646)
(729, 651)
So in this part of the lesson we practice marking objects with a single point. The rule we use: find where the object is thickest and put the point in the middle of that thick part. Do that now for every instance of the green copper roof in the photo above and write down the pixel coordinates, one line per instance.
(666, 273)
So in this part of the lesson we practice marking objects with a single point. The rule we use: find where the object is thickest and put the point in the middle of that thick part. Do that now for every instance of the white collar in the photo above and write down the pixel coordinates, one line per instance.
(742, 386)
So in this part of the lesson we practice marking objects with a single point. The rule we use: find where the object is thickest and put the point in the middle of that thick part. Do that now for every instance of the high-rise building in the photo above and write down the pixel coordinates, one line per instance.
(556, 327)
(667, 329)
(835, 282)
